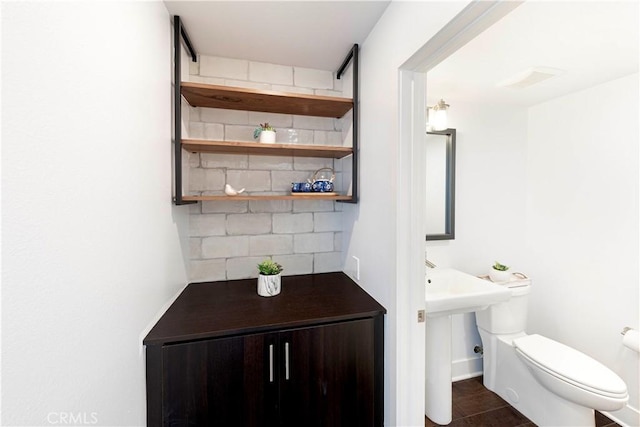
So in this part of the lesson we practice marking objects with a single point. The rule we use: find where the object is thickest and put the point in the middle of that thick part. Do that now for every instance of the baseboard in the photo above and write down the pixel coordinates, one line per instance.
(626, 417)
(463, 369)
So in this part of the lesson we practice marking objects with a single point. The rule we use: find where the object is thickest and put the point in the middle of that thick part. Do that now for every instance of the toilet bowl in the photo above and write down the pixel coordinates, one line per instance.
(550, 383)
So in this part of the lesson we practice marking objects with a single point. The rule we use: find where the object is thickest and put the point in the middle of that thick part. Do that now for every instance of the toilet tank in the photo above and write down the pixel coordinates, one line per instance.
(507, 317)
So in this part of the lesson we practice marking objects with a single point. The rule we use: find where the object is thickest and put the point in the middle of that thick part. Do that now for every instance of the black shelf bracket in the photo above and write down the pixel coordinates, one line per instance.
(178, 32)
(352, 57)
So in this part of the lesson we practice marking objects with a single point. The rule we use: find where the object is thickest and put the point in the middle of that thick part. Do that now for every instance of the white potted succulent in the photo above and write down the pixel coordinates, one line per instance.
(269, 283)
(499, 273)
(265, 133)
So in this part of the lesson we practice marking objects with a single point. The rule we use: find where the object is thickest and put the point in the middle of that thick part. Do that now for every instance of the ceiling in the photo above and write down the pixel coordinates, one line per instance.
(591, 41)
(311, 34)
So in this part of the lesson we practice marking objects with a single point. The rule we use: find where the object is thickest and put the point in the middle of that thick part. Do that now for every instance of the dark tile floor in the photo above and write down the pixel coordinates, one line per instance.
(474, 405)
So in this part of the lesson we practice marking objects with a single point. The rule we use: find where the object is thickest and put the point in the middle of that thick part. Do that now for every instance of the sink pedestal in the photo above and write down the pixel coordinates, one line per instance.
(438, 369)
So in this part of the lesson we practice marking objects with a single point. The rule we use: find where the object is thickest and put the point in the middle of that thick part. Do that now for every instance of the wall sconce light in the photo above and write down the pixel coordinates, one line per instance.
(438, 116)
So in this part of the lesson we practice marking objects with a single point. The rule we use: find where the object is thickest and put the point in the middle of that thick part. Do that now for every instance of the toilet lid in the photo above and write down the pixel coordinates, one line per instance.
(570, 364)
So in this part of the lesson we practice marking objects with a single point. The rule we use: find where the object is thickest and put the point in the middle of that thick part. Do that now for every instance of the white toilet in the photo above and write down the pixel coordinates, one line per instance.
(550, 383)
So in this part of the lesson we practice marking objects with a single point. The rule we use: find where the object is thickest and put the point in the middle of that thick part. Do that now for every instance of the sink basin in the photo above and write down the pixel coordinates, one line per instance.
(450, 291)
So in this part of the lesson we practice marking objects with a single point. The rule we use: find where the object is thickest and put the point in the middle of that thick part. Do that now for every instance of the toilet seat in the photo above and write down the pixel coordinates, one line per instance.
(571, 366)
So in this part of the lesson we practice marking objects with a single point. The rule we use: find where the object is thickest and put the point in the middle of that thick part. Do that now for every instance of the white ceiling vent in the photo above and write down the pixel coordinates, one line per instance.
(530, 77)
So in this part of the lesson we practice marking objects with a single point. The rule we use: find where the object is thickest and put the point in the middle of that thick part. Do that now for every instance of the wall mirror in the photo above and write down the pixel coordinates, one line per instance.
(440, 186)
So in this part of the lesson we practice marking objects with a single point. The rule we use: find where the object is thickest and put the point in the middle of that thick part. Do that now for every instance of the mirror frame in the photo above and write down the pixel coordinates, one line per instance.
(450, 202)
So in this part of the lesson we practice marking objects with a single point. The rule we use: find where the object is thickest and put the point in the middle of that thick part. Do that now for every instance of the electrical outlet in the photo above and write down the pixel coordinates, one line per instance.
(357, 267)
(421, 315)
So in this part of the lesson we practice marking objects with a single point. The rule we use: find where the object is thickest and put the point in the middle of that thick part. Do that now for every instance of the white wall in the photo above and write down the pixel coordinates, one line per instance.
(371, 227)
(92, 247)
(582, 224)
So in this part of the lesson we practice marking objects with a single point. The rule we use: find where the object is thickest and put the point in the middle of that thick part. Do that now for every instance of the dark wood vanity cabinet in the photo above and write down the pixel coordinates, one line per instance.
(311, 356)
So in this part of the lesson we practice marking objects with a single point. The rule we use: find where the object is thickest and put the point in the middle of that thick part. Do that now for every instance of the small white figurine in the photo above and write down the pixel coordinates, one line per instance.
(230, 191)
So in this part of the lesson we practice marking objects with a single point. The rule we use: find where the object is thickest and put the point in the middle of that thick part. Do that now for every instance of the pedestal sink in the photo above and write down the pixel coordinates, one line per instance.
(448, 292)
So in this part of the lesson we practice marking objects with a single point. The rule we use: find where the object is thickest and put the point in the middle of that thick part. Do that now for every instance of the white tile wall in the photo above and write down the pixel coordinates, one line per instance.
(228, 239)
(270, 73)
(310, 78)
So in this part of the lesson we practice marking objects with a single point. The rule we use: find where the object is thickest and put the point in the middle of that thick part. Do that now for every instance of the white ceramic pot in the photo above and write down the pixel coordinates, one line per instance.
(269, 286)
(268, 136)
(499, 276)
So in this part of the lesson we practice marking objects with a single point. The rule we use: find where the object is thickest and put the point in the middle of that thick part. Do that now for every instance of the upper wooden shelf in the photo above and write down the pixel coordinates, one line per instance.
(242, 197)
(267, 101)
(237, 147)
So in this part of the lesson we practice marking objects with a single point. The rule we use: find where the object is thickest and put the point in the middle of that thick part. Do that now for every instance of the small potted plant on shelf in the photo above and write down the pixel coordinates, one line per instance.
(265, 133)
(269, 283)
(499, 273)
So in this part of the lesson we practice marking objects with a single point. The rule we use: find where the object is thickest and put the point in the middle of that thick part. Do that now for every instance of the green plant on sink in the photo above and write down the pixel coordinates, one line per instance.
(499, 272)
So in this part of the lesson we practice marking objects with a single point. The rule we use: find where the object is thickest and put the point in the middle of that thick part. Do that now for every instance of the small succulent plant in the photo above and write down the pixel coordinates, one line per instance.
(269, 268)
(259, 129)
(500, 267)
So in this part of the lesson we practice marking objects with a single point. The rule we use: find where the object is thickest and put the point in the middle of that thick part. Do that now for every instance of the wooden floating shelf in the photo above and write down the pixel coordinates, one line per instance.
(237, 147)
(266, 101)
(240, 198)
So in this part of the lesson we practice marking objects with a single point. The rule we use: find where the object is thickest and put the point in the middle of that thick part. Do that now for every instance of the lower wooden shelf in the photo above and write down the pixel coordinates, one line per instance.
(310, 196)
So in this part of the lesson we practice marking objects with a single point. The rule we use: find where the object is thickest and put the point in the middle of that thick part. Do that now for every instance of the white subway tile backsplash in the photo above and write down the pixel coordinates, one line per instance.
(314, 123)
(229, 238)
(313, 206)
(231, 161)
(332, 93)
(195, 248)
(229, 117)
(323, 137)
(270, 73)
(327, 221)
(239, 133)
(293, 223)
(207, 225)
(194, 113)
(194, 159)
(194, 68)
(250, 180)
(207, 80)
(196, 130)
(276, 120)
(207, 270)
(292, 89)
(225, 246)
(270, 206)
(247, 84)
(271, 244)
(243, 268)
(205, 179)
(327, 262)
(312, 242)
(295, 264)
(248, 224)
(271, 162)
(214, 131)
(281, 180)
(337, 242)
(311, 78)
(311, 164)
(224, 207)
(214, 66)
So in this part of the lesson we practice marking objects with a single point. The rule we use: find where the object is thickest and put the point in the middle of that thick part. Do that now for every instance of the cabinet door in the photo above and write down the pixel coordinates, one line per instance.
(220, 382)
(330, 376)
